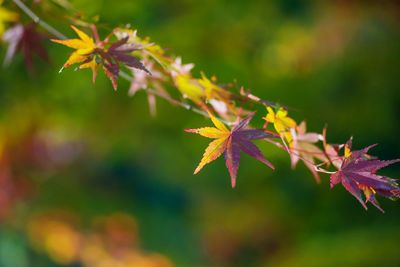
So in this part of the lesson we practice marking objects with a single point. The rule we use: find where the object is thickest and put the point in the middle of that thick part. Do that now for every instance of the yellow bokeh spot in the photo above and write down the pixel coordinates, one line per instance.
(56, 238)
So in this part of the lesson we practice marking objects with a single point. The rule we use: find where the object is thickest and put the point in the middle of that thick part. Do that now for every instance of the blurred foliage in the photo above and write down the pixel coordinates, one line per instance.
(88, 175)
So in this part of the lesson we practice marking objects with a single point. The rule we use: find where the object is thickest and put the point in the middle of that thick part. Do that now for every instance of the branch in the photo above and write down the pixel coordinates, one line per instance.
(39, 21)
(122, 74)
(173, 101)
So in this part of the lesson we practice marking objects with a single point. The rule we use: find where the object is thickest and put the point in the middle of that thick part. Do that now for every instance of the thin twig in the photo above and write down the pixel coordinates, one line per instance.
(290, 151)
(38, 21)
(123, 74)
(173, 101)
(129, 78)
(256, 99)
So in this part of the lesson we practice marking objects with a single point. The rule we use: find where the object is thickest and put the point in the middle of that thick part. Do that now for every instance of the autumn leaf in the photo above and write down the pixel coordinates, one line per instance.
(189, 88)
(185, 83)
(156, 52)
(358, 174)
(153, 50)
(121, 51)
(12, 37)
(84, 51)
(91, 54)
(213, 91)
(178, 68)
(231, 143)
(282, 123)
(303, 148)
(27, 40)
(219, 98)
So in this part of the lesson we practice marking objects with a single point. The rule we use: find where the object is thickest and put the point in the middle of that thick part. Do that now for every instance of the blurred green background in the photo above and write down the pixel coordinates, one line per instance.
(87, 163)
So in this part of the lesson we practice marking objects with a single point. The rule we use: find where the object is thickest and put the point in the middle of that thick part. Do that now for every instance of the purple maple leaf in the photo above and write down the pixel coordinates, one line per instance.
(358, 173)
(117, 53)
(240, 140)
(231, 143)
(27, 40)
(120, 52)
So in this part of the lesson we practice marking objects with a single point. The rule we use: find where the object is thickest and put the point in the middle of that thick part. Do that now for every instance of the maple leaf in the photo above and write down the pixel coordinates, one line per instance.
(120, 52)
(303, 148)
(84, 54)
(177, 68)
(149, 48)
(189, 88)
(213, 91)
(84, 47)
(12, 37)
(358, 173)
(219, 98)
(6, 16)
(231, 143)
(282, 123)
(117, 53)
(185, 83)
(91, 54)
(28, 40)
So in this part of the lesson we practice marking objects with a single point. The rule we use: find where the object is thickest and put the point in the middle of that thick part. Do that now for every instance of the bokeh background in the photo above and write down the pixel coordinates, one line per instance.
(89, 178)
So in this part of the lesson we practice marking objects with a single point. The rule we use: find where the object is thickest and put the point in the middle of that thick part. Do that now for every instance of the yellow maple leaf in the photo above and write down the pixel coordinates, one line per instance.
(282, 122)
(84, 54)
(84, 48)
(217, 97)
(211, 89)
(220, 133)
(189, 87)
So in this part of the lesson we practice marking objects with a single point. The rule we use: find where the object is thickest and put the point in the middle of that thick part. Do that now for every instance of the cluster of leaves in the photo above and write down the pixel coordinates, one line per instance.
(154, 71)
(355, 170)
(92, 54)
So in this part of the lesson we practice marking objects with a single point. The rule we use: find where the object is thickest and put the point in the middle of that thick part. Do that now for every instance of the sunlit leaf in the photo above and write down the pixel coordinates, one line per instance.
(231, 143)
